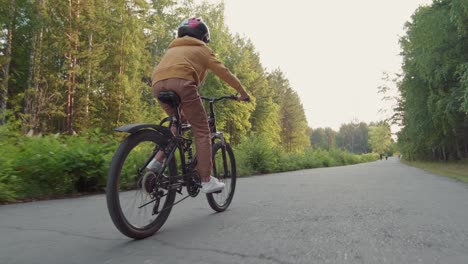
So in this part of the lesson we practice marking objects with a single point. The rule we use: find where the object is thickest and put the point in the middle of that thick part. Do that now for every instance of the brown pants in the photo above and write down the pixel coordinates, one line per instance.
(194, 113)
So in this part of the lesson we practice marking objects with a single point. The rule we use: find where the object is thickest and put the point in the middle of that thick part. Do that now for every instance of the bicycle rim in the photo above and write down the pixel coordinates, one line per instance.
(129, 198)
(224, 168)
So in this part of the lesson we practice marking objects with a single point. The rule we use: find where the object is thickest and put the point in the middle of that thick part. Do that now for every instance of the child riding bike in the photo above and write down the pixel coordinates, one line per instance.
(182, 68)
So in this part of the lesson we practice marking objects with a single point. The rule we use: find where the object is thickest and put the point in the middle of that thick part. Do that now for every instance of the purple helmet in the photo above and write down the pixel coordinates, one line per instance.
(194, 27)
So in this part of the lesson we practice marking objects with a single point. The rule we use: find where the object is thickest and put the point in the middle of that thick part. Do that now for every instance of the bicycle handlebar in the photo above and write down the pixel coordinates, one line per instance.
(212, 99)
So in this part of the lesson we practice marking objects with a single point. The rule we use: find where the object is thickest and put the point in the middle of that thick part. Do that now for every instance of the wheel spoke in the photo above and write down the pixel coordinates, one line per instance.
(127, 197)
(224, 170)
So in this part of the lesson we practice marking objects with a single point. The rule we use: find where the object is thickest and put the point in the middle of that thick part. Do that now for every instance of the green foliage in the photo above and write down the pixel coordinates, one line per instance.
(8, 177)
(255, 156)
(7, 185)
(454, 169)
(380, 138)
(354, 137)
(324, 138)
(51, 166)
(433, 86)
(292, 120)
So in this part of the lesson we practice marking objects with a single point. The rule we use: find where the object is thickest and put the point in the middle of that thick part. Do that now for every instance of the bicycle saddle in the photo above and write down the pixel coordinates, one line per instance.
(169, 97)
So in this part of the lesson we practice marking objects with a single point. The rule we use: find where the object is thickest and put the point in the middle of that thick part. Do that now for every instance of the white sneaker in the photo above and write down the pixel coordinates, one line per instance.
(212, 186)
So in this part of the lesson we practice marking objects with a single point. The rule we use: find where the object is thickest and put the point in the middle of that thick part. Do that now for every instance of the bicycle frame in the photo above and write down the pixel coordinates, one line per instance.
(212, 118)
(170, 142)
(184, 144)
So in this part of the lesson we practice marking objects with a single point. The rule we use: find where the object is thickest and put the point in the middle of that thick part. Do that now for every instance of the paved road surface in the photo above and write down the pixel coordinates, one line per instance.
(380, 212)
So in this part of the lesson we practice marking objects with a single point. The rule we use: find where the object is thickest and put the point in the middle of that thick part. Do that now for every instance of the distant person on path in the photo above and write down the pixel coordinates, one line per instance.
(381, 156)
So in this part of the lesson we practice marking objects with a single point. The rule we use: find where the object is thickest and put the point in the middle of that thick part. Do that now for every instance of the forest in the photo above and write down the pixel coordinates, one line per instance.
(433, 85)
(71, 66)
(73, 70)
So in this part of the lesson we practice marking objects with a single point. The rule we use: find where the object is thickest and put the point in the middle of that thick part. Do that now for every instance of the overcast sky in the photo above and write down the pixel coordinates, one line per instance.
(333, 52)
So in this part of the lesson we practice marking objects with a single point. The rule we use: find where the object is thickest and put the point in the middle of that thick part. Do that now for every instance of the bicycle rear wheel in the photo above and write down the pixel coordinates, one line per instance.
(224, 168)
(130, 196)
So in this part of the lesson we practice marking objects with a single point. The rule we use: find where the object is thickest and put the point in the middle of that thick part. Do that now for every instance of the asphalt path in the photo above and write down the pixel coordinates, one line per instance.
(378, 212)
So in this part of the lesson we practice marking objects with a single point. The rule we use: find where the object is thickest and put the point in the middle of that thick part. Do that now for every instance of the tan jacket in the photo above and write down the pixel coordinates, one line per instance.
(189, 58)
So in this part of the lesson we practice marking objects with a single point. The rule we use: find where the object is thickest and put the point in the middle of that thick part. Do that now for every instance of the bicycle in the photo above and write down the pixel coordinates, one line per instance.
(152, 195)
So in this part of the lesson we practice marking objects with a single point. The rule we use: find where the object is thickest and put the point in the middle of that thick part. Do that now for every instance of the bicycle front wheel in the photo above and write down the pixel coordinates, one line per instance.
(224, 168)
(131, 191)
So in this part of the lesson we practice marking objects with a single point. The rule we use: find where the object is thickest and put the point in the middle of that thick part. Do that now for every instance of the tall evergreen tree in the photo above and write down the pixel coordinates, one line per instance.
(293, 122)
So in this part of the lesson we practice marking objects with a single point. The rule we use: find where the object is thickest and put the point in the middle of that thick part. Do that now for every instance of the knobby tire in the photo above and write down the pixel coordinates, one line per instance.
(112, 191)
(225, 172)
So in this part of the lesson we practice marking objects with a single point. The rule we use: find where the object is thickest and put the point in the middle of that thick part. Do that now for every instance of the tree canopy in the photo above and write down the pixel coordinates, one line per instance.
(434, 85)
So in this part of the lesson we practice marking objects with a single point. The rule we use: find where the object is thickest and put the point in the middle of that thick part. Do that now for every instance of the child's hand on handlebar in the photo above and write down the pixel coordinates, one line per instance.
(244, 97)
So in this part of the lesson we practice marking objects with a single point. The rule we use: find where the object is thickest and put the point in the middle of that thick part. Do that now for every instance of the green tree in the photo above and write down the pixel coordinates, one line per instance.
(380, 138)
(16, 21)
(238, 56)
(8, 21)
(433, 86)
(324, 138)
(293, 122)
(318, 138)
(353, 137)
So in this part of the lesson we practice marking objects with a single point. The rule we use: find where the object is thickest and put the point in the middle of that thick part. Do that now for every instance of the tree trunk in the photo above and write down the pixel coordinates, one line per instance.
(121, 72)
(89, 77)
(29, 95)
(464, 139)
(444, 155)
(465, 142)
(33, 101)
(6, 66)
(457, 149)
(71, 56)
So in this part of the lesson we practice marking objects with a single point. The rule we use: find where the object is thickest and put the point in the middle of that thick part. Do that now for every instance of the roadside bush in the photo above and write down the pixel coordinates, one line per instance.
(256, 155)
(368, 157)
(323, 157)
(40, 165)
(288, 162)
(87, 161)
(8, 178)
(52, 166)
(6, 188)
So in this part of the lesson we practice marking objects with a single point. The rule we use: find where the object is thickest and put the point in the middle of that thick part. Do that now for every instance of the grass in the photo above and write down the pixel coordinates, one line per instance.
(457, 170)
